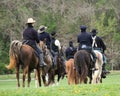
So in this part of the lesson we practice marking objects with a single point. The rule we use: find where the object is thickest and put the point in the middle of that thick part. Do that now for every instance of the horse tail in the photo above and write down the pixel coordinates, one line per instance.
(14, 53)
(84, 69)
(80, 60)
(72, 67)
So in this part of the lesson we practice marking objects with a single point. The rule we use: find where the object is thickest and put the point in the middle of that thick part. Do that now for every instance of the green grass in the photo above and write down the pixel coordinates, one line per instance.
(109, 87)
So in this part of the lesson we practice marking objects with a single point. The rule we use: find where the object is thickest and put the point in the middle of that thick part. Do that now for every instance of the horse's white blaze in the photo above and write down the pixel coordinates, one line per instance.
(96, 76)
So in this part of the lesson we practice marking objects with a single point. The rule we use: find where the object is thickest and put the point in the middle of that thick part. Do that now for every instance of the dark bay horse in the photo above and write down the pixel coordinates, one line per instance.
(59, 70)
(47, 71)
(50, 71)
(23, 56)
(83, 66)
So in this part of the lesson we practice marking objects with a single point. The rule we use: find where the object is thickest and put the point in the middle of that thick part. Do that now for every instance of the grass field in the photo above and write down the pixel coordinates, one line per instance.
(109, 87)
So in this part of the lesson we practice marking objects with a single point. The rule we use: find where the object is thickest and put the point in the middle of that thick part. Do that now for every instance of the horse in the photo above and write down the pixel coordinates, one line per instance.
(59, 70)
(82, 63)
(96, 75)
(22, 55)
(47, 72)
(71, 72)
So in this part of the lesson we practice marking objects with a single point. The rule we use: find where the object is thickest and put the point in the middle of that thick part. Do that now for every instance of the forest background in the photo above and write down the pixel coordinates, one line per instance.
(64, 17)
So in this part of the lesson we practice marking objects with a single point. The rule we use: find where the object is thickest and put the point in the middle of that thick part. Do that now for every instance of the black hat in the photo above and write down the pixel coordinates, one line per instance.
(94, 31)
(70, 43)
(83, 27)
(53, 33)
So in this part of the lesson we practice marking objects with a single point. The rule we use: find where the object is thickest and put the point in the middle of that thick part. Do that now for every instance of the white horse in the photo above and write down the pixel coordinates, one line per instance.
(96, 75)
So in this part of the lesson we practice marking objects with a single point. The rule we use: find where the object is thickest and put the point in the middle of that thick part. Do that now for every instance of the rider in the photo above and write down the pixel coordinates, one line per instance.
(30, 37)
(98, 44)
(70, 51)
(43, 35)
(85, 42)
(55, 47)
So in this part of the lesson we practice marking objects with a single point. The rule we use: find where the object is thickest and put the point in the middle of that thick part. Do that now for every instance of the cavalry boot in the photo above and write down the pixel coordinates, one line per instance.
(41, 62)
(104, 72)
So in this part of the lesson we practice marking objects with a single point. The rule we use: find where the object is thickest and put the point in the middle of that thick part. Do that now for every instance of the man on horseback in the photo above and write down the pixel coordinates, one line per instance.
(70, 51)
(44, 35)
(55, 47)
(98, 44)
(85, 42)
(30, 37)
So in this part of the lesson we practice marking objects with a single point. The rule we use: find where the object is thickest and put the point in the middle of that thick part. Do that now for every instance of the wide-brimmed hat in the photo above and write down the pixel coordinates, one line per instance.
(94, 31)
(42, 28)
(30, 20)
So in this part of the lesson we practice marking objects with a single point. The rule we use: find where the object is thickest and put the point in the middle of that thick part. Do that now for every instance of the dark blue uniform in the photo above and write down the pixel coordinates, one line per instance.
(84, 39)
(100, 44)
(69, 52)
(85, 42)
(30, 37)
(43, 36)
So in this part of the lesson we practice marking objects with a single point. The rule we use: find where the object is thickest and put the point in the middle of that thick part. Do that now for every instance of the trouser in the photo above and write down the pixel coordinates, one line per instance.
(93, 59)
(104, 62)
(40, 54)
(55, 58)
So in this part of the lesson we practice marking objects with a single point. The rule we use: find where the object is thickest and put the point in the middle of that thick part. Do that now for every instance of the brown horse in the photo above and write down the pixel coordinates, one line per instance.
(23, 56)
(83, 66)
(47, 71)
(71, 72)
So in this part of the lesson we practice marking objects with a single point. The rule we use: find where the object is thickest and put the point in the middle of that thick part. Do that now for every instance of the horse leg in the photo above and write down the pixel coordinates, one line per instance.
(43, 78)
(85, 81)
(29, 78)
(24, 75)
(52, 77)
(58, 79)
(17, 76)
(38, 75)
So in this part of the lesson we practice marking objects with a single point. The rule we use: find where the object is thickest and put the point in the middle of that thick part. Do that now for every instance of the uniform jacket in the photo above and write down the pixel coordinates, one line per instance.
(30, 35)
(69, 52)
(53, 46)
(100, 43)
(84, 38)
(43, 36)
